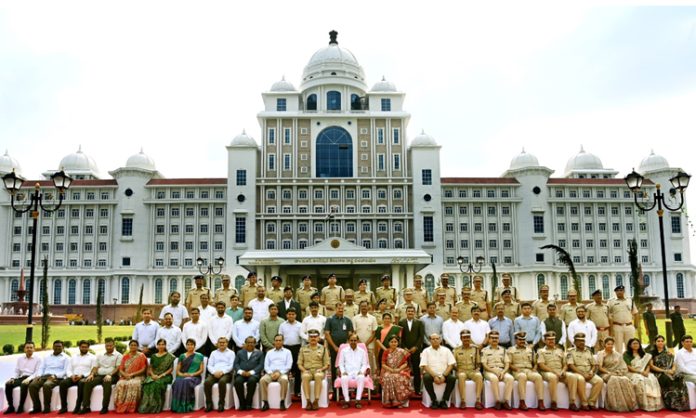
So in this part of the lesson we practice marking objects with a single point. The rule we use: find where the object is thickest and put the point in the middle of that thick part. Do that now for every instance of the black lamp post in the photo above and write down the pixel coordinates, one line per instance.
(471, 269)
(680, 182)
(211, 270)
(13, 183)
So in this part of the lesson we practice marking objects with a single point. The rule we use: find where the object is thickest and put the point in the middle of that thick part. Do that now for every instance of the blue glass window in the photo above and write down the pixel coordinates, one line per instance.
(281, 105)
(158, 290)
(428, 229)
(386, 105)
(680, 286)
(14, 287)
(333, 100)
(355, 102)
(86, 292)
(605, 286)
(72, 289)
(564, 287)
(125, 290)
(312, 102)
(334, 153)
(57, 291)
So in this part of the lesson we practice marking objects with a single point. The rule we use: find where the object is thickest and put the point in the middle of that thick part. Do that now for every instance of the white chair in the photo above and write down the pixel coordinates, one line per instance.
(439, 392)
(530, 398)
(168, 391)
(488, 398)
(324, 400)
(255, 401)
(95, 403)
(691, 390)
(563, 396)
(28, 404)
(469, 390)
(274, 396)
(229, 396)
(199, 391)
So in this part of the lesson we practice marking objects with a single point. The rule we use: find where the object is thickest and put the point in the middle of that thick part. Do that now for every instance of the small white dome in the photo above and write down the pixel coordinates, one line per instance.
(524, 160)
(78, 162)
(384, 85)
(141, 160)
(243, 140)
(423, 140)
(283, 85)
(584, 161)
(7, 164)
(653, 162)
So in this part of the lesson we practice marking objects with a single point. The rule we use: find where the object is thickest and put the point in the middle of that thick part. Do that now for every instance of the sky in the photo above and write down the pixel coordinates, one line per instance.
(485, 79)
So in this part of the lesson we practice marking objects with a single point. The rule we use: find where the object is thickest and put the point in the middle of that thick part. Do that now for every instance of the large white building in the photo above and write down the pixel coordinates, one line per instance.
(335, 185)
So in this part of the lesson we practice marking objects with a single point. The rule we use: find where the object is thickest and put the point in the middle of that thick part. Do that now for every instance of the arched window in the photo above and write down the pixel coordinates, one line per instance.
(14, 287)
(239, 282)
(187, 287)
(564, 286)
(334, 153)
(217, 284)
(173, 285)
(125, 290)
(591, 283)
(619, 280)
(101, 288)
(40, 290)
(333, 100)
(580, 292)
(312, 102)
(355, 102)
(605, 286)
(87, 292)
(541, 280)
(158, 290)
(646, 281)
(680, 285)
(430, 284)
(57, 291)
(72, 290)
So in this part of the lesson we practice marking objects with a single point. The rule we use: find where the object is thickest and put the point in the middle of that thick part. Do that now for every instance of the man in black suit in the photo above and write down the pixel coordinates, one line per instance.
(413, 334)
(287, 303)
(247, 368)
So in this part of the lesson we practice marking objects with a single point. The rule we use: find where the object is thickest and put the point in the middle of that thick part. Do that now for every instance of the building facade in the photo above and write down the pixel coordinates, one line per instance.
(335, 185)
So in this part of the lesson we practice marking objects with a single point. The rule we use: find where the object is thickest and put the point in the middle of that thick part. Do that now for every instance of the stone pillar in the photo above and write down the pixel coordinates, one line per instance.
(397, 279)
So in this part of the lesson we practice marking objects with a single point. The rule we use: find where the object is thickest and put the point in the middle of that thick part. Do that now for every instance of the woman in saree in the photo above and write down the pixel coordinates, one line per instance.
(620, 394)
(131, 373)
(396, 375)
(662, 364)
(383, 333)
(159, 375)
(188, 376)
(645, 384)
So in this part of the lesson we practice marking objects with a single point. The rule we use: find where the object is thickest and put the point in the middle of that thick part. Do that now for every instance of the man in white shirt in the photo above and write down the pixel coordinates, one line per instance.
(105, 373)
(171, 334)
(290, 330)
(437, 363)
(451, 329)
(196, 330)
(145, 333)
(26, 368)
(313, 321)
(206, 309)
(220, 325)
(219, 367)
(582, 325)
(277, 364)
(686, 359)
(260, 304)
(246, 327)
(353, 366)
(179, 312)
(81, 366)
(478, 327)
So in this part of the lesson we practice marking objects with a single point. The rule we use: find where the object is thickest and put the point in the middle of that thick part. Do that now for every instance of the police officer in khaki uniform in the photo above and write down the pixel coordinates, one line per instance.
(496, 364)
(466, 304)
(583, 366)
(507, 285)
(468, 368)
(193, 299)
(539, 306)
(567, 314)
(510, 307)
(442, 308)
(331, 295)
(598, 312)
(522, 369)
(420, 295)
(248, 291)
(313, 363)
(364, 295)
(387, 293)
(450, 292)
(551, 362)
(622, 312)
(304, 293)
(224, 294)
(275, 292)
(480, 296)
(350, 308)
(400, 312)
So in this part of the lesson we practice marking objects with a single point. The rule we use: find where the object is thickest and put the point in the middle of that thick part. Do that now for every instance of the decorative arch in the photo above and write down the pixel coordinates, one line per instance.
(72, 291)
(125, 290)
(158, 290)
(312, 102)
(334, 153)
(57, 291)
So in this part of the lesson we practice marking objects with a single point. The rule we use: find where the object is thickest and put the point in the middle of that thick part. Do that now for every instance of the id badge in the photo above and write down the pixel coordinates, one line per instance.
(344, 327)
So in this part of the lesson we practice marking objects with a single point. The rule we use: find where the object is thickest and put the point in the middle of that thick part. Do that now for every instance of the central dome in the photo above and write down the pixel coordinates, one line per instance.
(78, 163)
(524, 160)
(583, 161)
(333, 64)
(141, 161)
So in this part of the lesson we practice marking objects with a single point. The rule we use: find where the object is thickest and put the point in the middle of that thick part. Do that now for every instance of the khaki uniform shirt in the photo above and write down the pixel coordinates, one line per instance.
(330, 296)
(621, 311)
(275, 295)
(568, 314)
(349, 311)
(465, 310)
(368, 297)
(583, 360)
(401, 310)
(388, 294)
(499, 293)
(193, 299)
(511, 310)
(539, 309)
(450, 294)
(420, 296)
(313, 359)
(522, 358)
(467, 359)
(222, 295)
(304, 296)
(494, 358)
(443, 311)
(365, 327)
(553, 359)
(599, 314)
(248, 294)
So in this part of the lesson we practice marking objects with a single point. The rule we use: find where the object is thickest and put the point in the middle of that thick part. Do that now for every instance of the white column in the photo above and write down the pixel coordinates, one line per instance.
(397, 280)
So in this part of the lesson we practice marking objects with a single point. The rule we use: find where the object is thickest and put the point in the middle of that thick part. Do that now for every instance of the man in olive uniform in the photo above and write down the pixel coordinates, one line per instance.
(678, 329)
(193, 299)
(466, 304)
(304, 293)
(522, 369)
(224, 294)
(442, 308)
(551, 362)
(331, 295)
(313, 363)
(622, 313)
(598, 312)
(583, 366)
(420, 295)
(350, 308)
(650, 324)
(539, 306)
(510, 307)
(387, 292)
(364, 295)
(480, 297)
(468, 368)
(408, 302)
(248, 290)
(554, 324)
(496, 364)
(275, 292)
(568, 314)
(507, 285)
(450, 292)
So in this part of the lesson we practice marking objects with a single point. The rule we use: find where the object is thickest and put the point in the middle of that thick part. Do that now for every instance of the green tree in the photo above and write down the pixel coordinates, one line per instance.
(565, 259)
(139, 314)
(637, 284)
(100, 302)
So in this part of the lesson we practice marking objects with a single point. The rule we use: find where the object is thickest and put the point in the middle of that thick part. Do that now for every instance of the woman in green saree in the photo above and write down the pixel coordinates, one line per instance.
(159, 375)
(188, 376)
(382, 335)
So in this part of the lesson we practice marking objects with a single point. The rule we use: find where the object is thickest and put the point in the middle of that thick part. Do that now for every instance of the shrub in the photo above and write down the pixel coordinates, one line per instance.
(20, 348)
(92, 342)
(67, 344)
(8, 349)
(120, 347)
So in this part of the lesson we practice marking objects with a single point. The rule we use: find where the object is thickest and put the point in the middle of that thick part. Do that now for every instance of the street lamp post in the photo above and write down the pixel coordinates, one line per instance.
(680, 182)
(470, 269)
(211, 270)
(13, 183)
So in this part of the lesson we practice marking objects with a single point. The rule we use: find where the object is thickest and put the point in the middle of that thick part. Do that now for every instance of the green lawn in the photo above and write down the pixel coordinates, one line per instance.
(689, 324)
(14, 334)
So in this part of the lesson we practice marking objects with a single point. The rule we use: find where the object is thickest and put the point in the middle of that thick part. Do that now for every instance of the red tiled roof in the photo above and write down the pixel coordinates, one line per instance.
(479, 180)
(593, 182)
(187, 181)
(76, 183)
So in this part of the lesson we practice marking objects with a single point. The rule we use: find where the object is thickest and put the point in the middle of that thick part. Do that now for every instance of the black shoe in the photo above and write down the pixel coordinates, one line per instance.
(435, 405)
(282, 405)
(221, 408)
(9, 411)
(35, 411)
(85, 411)
(265, 406)
(443, 405)
(63, 411)
(104, 411)
(208, 408)
(46, 411)
(20, 410)
(76, 411)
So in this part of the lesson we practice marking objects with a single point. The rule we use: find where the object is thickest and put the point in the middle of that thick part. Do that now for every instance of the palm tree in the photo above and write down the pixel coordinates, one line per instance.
(565, 258)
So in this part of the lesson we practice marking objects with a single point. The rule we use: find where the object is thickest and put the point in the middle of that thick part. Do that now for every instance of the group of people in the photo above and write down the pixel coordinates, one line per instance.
(256, 336)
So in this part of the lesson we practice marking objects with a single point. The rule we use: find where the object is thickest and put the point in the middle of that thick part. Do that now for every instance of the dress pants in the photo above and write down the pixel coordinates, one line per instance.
(429, 384)
(23, 392)
(295, 351)
(96, 381)
(251, 382)
(46, 385)
(64, 386)
(414, 361)
(222, 389)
